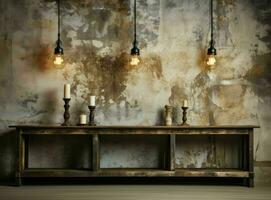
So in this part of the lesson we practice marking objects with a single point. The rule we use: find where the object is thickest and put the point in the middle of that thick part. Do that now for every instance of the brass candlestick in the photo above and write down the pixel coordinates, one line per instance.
(184, 116)
(66, 113)
(91, 116)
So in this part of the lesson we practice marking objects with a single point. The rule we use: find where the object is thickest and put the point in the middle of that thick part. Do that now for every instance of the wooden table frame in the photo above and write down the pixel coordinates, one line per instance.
(246, 171)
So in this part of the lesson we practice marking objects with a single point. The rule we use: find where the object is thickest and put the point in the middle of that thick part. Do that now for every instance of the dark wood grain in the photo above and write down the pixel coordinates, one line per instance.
(172, 145)
(136, 173)
(251, 158)
(134, 127)
(212, 173)
(18, 172)
(26, 150)
(168, 169)
(245, 152)
(134, 131)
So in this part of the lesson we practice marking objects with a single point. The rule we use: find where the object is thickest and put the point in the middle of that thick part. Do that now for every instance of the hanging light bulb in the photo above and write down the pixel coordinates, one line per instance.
(135, 55)
(211, 53)
(58, 60)
(211, 59)
(135, 60)
(58, 57)
(58, 53)
(135, 52)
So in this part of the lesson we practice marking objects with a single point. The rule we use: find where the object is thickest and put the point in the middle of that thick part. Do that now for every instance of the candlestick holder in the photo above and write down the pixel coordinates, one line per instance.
(168, 115)
(91, 115)
(184, 117)
(66, 114)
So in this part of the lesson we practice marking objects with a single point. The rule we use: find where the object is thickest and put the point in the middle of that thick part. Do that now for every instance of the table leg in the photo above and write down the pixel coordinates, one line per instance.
(251, 159)
(18, 173)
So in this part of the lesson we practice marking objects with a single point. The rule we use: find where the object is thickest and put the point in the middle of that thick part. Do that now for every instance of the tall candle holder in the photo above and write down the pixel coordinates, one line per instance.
(66, 114)
(91, 115)
(184, 116)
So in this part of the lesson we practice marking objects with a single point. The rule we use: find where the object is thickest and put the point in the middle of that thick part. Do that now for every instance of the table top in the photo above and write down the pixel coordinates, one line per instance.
(28, 126)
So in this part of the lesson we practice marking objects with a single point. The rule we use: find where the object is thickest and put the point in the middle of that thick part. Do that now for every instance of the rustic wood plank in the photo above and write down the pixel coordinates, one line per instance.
(129, 131)
(251, 158)
(101, 173)
(18, 173)
(134, 127)
(245, 152)
(211, 173)
(172, 150)
(240, 153)
(163, 154)
(246, 132)
(26, 151)
(57, 173)
(22, 146)
(136, 173)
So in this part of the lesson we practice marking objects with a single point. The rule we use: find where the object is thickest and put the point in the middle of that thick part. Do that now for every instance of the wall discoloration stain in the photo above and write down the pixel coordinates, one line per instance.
(173, 37)
(40, 58)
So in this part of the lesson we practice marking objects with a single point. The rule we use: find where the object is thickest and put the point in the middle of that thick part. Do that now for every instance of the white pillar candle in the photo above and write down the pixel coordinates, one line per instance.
(83, 119)
(67, 91)
(185, 103)
(92, 100)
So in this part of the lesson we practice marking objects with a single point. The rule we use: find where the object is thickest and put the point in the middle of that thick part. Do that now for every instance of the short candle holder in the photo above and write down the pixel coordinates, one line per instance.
(168, 115)
(91, 115)
(184, 117)
(66, 113)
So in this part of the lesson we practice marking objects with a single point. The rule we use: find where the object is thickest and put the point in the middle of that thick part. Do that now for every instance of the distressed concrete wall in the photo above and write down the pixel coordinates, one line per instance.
(173, 37)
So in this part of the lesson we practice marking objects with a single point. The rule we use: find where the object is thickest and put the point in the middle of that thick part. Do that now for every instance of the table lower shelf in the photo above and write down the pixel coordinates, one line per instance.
(233, 173)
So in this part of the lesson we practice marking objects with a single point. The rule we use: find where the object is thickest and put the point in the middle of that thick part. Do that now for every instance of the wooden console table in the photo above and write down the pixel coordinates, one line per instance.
(169, 169)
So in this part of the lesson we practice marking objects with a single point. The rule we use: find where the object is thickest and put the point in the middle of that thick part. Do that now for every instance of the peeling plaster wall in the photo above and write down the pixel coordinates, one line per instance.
(173, 37)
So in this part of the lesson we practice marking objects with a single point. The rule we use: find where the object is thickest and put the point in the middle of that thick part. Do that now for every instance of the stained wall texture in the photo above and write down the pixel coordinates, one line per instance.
(173, 37)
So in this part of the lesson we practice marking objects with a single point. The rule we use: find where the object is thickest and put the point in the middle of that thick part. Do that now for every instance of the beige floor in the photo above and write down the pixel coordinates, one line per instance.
(134, 192)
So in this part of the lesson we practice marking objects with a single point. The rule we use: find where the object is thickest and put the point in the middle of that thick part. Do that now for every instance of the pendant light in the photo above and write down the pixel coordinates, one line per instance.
(135, 52)
(58, 53)
(211, 53)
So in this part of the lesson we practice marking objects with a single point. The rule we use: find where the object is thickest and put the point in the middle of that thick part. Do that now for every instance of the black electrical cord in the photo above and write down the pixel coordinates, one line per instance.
(58, 14)
(212, 26)
(135, 41)
(58, 49)
(211, 50)
(135, 50)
